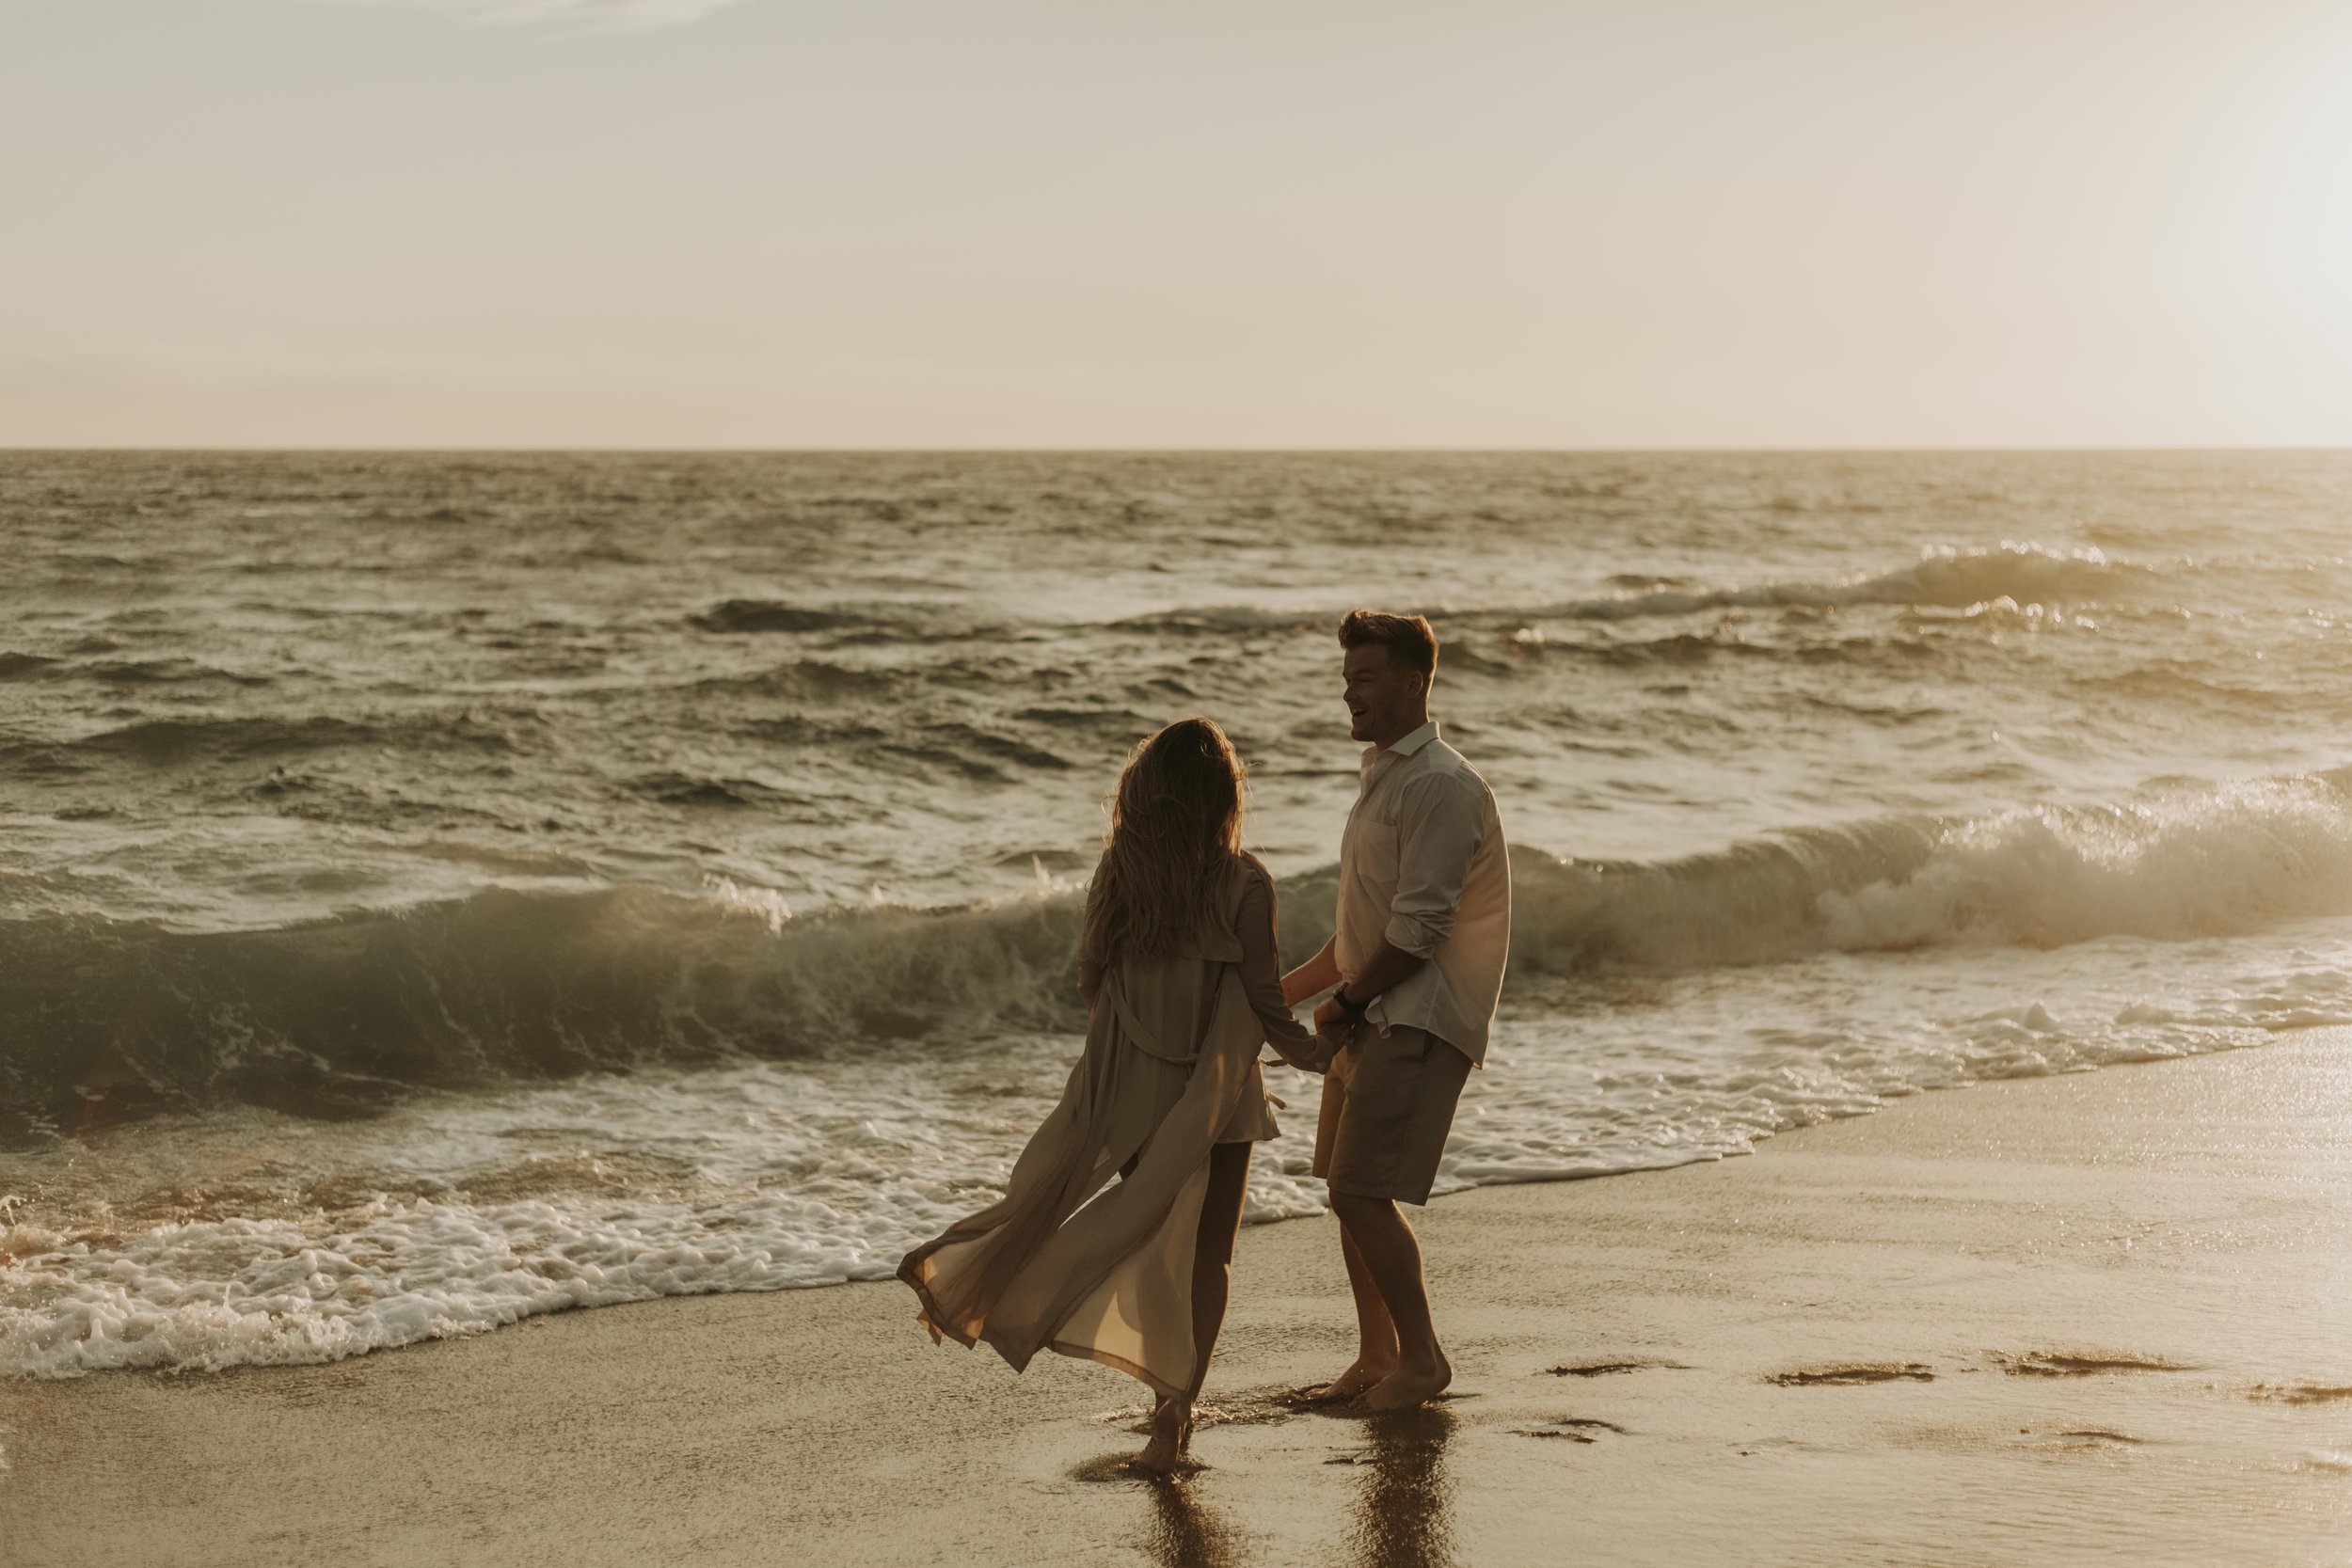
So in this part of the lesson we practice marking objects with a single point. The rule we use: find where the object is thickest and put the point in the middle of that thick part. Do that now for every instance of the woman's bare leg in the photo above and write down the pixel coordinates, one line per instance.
(1212, 1251)
(1211, 1286)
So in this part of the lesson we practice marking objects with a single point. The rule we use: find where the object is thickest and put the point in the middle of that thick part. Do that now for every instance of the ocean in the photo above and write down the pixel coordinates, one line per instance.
(438, 889)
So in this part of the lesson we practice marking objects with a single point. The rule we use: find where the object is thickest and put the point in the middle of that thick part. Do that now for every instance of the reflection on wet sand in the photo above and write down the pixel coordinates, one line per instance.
(1187, 1533)
(1404, 1507)
(1403, 1515)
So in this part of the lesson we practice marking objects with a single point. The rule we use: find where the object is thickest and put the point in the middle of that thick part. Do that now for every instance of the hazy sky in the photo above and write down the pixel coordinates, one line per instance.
(937, 223)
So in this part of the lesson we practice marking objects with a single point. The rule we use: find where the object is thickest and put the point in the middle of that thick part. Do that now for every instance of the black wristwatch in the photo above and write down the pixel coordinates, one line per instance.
(1355, 1010)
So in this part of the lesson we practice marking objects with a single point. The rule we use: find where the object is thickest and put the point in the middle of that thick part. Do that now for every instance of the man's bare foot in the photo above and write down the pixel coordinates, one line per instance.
(1411, 1386)
(1363, 1374)
(1169, 1449)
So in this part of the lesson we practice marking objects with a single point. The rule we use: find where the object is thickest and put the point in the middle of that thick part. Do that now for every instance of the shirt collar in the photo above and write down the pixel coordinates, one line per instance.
(1404, 745)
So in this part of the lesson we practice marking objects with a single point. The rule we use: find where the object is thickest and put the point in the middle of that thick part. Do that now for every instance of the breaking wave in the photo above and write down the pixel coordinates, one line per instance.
(2186, 863)
(103, 1018)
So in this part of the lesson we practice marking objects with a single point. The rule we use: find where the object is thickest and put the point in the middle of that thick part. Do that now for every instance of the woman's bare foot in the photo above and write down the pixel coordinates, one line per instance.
(1409, 1386)
(1169, 1449)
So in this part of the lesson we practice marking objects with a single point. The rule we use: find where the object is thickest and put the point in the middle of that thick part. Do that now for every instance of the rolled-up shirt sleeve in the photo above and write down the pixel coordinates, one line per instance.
(1439, 828)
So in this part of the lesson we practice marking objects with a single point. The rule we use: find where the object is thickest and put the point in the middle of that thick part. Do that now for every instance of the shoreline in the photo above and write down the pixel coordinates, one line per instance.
(2100, 1317)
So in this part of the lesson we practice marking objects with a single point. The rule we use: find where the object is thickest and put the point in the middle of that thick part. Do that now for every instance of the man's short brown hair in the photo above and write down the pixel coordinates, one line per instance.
(1412, 642)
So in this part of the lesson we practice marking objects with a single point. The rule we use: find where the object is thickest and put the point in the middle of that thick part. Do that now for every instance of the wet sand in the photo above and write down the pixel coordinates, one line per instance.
(2103, 1318)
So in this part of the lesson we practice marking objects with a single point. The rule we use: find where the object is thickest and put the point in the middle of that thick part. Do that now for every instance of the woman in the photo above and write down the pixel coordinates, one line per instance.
(1181, 985)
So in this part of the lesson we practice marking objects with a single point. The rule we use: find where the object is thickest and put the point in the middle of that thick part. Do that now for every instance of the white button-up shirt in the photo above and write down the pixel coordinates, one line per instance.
(1422, 864)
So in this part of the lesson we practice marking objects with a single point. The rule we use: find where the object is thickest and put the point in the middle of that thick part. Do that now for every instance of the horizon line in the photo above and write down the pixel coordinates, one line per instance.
(7, 449)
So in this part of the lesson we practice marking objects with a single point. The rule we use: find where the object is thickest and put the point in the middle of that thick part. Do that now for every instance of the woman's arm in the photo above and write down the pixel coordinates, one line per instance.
(1090, 964)
(1261, 975)
(1318, 974)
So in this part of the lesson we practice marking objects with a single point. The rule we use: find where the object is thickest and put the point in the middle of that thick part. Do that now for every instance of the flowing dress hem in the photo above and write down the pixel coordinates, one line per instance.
(932, 1315)
(1118, 1363)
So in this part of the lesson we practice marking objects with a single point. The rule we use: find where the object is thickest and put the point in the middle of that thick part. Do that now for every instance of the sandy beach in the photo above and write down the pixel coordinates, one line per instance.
(2101, 1318)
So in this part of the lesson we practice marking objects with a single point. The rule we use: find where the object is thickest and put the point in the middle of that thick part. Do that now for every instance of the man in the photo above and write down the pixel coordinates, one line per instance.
(1424, 928)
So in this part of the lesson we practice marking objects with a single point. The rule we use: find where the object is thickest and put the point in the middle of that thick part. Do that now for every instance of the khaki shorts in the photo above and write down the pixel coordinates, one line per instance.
(1388, 1104)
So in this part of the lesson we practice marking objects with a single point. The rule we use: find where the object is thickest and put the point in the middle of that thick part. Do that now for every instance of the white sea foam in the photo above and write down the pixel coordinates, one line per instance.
(760, 1178)
(458, 1214)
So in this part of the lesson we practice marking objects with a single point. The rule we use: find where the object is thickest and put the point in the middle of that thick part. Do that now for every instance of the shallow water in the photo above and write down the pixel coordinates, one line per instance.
(440, 889)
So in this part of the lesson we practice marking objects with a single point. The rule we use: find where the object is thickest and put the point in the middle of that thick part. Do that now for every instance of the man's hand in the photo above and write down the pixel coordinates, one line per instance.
(1333, 1023)
(1391, 965)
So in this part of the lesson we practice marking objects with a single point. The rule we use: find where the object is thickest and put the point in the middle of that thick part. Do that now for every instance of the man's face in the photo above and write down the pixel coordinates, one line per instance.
(1381, 695)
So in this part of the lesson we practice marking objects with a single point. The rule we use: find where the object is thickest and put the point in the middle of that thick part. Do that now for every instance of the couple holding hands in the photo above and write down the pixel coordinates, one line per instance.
(1114, 1241)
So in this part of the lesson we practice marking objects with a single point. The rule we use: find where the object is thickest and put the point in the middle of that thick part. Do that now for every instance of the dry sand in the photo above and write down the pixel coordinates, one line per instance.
(2096, 1319)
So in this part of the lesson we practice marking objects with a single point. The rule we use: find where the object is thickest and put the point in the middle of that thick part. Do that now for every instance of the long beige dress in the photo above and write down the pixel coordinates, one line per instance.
(1074, 1262)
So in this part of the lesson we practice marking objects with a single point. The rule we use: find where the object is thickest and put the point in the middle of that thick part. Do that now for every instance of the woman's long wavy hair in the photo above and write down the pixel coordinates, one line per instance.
(1175, 823)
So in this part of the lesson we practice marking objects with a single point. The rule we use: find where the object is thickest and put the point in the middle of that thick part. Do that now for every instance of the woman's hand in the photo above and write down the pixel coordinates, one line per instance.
(1334, 1022)
(1315, 1058)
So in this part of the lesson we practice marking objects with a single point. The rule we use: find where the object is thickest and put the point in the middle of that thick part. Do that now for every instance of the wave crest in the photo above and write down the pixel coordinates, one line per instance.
(101, 1019)
(1945, 577)
(2189, 863)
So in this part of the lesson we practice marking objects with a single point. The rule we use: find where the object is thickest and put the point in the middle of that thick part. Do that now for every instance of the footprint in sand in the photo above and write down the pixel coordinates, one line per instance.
(2042, 1363)
(1573, 1428)
(2300, 1393)
(2079, 1439)
(1604, 1369)
(1848, 1373)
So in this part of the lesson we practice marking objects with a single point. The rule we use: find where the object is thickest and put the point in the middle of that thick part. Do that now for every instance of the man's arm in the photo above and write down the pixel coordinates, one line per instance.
(1437, 836)
(1390, 966)
(1320, 973)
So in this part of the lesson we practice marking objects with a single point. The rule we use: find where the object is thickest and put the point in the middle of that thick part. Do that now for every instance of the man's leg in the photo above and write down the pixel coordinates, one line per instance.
(1375, 1333)
(1383, 1246)
(1387, 1103)
(1376, 1336)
